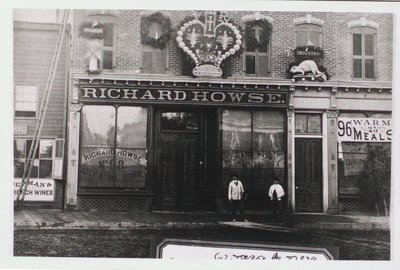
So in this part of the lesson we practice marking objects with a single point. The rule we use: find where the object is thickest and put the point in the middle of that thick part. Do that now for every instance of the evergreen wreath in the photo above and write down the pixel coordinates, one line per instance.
(163, 22)
(250, 40)
(90, 35)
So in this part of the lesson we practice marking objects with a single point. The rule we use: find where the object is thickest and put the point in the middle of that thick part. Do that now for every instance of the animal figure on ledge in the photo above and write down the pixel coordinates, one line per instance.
(307, 69)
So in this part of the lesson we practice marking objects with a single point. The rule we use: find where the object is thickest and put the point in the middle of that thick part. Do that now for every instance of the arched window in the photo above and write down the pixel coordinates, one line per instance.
(363, 52)
(308, 32)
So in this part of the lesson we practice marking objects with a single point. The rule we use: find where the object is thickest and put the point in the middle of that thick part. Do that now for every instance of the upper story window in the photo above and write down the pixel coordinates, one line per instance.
(154, 59)
(363, 52)
(26, 100)
(257, 56)
(108, 54)
(306, 33)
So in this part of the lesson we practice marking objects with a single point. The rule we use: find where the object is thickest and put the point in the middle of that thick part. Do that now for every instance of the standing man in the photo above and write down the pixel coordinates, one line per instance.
(276, 193)
(235, 196)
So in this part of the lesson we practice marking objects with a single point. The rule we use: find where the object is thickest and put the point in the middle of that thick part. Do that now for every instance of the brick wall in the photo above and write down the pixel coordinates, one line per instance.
(34, 46)
(336, 41)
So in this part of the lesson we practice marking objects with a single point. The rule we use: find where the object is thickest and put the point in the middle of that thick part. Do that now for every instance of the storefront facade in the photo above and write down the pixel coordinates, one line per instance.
(143, 135)
(34, 45)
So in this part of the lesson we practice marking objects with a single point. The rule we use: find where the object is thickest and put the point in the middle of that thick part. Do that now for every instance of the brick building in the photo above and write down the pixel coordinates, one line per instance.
(34, 46)
(145, 133)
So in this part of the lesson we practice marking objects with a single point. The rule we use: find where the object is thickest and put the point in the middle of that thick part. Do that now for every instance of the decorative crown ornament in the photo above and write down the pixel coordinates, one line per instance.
(209, 42)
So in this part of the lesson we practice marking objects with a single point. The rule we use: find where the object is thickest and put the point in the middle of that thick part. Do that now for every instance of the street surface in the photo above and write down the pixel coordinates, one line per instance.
(137, 243)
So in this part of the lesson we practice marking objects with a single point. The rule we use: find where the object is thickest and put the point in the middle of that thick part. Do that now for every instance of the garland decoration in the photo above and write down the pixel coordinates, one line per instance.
(263, 40)
(165, 25)
(92, 30)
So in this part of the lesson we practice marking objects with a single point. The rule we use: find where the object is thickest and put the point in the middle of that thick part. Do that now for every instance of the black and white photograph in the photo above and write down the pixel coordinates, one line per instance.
(223, 133)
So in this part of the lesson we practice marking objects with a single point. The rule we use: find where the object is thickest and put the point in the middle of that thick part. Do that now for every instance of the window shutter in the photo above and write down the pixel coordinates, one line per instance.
(161, 61)
(369, 44)
(357, 68)
(369, 69)
(315, 38)
(147, 62)
(58, 159)
(357, 44)
(250, 64)
(301, 36)
(262, 66)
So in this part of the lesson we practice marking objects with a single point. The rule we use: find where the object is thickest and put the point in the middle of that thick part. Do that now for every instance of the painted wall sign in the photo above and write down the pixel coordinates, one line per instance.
(364, 130)
(220, 251)
(203, 97)
(38, 189)
(354, 157)
(20, 129)
(111, 152)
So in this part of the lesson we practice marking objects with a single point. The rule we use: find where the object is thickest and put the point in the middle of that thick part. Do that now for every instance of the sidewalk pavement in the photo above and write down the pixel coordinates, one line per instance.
(59, 219)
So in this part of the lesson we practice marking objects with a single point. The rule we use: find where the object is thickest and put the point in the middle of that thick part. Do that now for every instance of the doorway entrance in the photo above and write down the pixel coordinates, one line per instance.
(178, 160)
(308, 174)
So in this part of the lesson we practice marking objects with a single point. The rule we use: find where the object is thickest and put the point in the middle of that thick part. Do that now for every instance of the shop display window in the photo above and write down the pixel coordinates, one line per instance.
(253, 146)
(114, 147)
(352, 157)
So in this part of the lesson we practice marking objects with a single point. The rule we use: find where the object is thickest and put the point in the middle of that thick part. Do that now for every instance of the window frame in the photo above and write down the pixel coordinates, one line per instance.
(37, 100)
(109, 48)
(363, 31)
(147, 150)
(37, 157)
(257, 54)
(308, 27)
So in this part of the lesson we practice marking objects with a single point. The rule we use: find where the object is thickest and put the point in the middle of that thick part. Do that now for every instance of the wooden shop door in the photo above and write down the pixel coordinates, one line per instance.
(178, 168)
(308, 174)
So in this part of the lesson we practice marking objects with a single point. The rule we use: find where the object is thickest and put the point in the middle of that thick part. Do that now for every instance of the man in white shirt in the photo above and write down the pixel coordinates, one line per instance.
(235, 196)
(276, 193)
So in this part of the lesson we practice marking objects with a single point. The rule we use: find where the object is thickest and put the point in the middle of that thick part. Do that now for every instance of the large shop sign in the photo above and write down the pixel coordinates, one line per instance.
(364, 130)
(187, 96)
(38, 189)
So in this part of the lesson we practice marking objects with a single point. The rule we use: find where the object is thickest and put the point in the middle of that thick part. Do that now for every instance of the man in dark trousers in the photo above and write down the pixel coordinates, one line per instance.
(235, 197)
(276, 193)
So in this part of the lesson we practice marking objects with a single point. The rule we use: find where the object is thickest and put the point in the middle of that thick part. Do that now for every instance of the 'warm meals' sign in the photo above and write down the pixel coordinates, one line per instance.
(227, 251)
(364, 130)
(187, 96)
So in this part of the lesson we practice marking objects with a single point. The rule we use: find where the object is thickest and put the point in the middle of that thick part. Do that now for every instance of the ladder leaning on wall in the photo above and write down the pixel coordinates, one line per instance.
(30, 159)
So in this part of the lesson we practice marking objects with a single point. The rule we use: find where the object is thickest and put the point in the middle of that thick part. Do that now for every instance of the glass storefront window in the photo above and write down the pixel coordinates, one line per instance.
(253, 146)
(113, 152)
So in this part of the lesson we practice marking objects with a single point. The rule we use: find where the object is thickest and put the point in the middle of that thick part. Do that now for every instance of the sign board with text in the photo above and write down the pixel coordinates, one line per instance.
(186, 96)
(220, 251)
(38, 189)
(364, 130)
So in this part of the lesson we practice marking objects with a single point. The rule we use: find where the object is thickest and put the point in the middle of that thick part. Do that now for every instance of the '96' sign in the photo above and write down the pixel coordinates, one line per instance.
(364, 130)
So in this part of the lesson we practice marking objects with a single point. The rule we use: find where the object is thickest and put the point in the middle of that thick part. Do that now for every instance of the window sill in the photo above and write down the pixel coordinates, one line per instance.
(25, 118)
